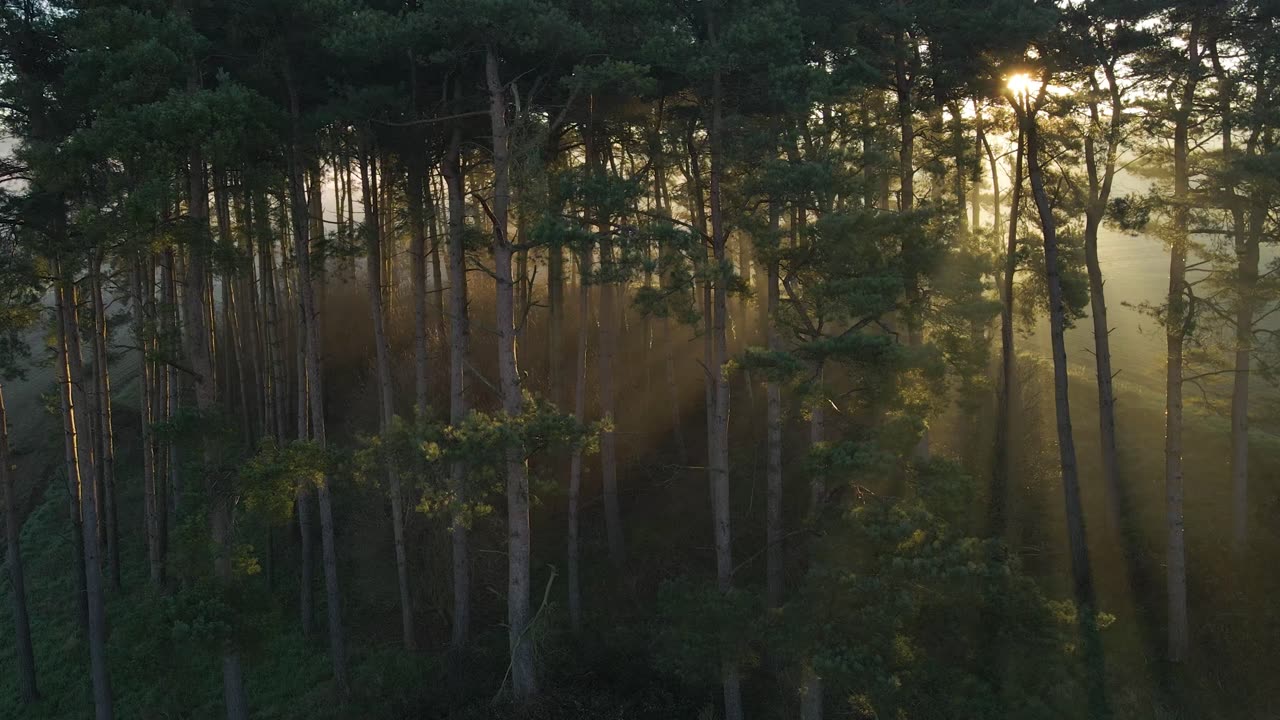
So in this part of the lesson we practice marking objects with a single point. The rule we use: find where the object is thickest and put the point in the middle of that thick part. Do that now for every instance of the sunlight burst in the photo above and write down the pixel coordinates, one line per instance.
(1023, 85)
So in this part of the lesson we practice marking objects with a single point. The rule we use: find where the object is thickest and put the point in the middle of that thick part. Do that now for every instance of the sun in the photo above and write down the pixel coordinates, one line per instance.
(1023, 85)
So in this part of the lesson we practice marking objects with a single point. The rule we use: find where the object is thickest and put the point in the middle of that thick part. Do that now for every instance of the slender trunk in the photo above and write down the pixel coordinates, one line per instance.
(71, 460)
(775, 558)
(197, 309)
(1100, 180)
(312, 354)
(81, 469)
(1247, 253)
(523, 678)
(719, 465)
(17, 579)
(143, 292)
(555, 287)
(1177, 321)
(811, 690)
(957, 152)
(382, 353)
(997, 222)
(1082, 577)
(905, 69)
(976, 184)
(173, 385)
(1002, 471)
(575, 464)
(668, 285)
(608, 352)
(418, 265)
(160, 413)
(459, 340)
(1245, 239)
(106, 437)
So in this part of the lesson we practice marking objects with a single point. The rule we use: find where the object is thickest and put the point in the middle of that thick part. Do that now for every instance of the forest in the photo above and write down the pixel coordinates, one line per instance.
(737, 359)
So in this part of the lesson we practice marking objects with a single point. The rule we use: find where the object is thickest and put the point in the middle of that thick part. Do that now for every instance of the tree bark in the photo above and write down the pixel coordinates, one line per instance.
(459, 340)
(382, 354)
(1176, 322)
(418, 262)
(1002, 471)
(315, 385)
(775, 569)
(575, 463)
(199, 353)
(27, 687)
(144, 293)
(523, 679)
(79, 470)
(719, 465)
(106, 438)
(1082, 577)
(1100, 180)
(593, 140)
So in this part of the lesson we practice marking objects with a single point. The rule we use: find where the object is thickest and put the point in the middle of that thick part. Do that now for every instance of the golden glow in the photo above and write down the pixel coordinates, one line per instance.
(1023, 85)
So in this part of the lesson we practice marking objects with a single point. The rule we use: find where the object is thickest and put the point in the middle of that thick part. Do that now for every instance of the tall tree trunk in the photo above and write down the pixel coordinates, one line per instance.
(719, 465)
(1082, 577)
(382, 354)
(144, 293)
(1177, 321)
(28, 690)
(459, 340)
(106, 438)
(775, 558)
(1002, 472)
(555, 285)
(811, 688)
(1100, 179)
(575, 463)
(668, 285)
(173, 384)
(996, 222)
(906, 67)
(418, 263)
(609, 288)
(1245, 239)
(1248, 252)
(71, 461)
(199, 352)
(312, 354)
(523, 679)
(81, 473)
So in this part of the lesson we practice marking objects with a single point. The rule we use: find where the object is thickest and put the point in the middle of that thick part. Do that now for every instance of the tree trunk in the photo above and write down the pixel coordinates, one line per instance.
(418, 263)
(106, 438)
(775, 558)
(811, 689)
(173, 385)
(302, 249)
(199, 352)
(382, 348)
(1246, 240)
(17, 579)
(459, 340)
(575, 463)
(79, 470)
(1082, 577)
(523, 679)
(143, 294)
(594, 140)
(1177, 320)
(1002, 472)
(997, 222)
(719, 465)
